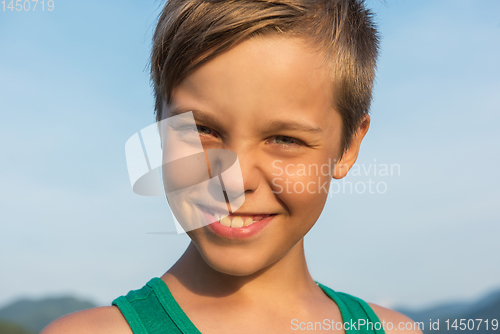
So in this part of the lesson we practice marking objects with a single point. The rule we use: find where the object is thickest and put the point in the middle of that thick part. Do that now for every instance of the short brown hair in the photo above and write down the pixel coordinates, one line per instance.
(191, 32)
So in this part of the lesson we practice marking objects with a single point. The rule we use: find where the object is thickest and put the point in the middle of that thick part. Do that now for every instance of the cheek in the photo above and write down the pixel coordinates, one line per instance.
(303, 188)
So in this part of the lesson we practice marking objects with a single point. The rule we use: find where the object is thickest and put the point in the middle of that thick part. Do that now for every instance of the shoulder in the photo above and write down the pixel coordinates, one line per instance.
(106, 319)
(399, 323)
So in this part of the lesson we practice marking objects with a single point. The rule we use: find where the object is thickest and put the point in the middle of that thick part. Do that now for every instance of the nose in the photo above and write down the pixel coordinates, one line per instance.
(237, 173)
(249, 171)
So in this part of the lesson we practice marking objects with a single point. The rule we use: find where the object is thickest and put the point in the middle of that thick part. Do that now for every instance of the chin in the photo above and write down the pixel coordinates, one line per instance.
(234, 269)
(236, 262)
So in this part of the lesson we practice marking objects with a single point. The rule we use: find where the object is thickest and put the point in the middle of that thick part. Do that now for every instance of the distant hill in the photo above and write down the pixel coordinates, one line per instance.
(436, 312)
(34, 315)
(7, 327)
(486, 308)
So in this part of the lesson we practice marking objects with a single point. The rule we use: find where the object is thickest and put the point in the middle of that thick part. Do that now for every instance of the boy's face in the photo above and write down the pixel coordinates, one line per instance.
(269, 100)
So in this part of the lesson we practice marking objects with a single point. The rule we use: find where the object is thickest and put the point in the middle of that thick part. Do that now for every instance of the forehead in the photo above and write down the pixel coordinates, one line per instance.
(278, 73)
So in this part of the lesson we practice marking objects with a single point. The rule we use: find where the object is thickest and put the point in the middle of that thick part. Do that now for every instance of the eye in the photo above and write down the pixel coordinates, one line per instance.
(286, 141)
(205, 131)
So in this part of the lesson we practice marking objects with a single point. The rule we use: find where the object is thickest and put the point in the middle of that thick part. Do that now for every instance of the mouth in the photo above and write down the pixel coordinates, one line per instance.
(242, 223)
(236, 220)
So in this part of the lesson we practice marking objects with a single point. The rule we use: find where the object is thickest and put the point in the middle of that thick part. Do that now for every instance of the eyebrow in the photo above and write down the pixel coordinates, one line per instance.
(198, 114)
(280, 125)
(277, 125)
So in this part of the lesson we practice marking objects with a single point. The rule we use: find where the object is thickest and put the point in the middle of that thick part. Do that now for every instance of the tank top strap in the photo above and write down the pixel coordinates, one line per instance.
(153, 309)
(357, 316)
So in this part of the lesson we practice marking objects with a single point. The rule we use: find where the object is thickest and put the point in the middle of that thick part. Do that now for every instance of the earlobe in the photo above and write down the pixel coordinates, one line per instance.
(343, 166)
(340, 170)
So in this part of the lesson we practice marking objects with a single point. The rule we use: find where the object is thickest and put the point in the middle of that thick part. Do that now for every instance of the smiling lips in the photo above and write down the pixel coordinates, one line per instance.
(238, 220)
(235, 226)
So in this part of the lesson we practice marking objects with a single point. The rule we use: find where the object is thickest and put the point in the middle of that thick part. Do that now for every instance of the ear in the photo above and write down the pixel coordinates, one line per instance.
(351, 154)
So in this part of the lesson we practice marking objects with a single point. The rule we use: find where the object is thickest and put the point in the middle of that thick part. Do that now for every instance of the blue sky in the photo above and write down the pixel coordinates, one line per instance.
(74, 87)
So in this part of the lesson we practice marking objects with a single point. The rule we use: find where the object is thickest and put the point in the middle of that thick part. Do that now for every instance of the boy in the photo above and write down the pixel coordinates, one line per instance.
(283, 84)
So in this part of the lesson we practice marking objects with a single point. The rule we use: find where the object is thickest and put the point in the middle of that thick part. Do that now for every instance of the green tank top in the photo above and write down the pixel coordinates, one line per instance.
(153, 309)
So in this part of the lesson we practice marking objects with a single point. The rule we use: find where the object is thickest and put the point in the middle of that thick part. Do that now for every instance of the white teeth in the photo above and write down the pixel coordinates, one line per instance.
(226, 221)
(237, 222)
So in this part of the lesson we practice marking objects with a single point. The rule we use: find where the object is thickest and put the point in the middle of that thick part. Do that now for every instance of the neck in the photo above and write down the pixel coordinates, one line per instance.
(288, 274)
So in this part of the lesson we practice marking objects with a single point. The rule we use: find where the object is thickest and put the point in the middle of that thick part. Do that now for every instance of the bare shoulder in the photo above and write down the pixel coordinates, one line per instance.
(399, 323)
(106, 319)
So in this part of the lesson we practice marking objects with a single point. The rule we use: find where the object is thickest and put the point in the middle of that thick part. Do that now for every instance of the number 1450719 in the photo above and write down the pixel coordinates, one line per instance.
(27, 5)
